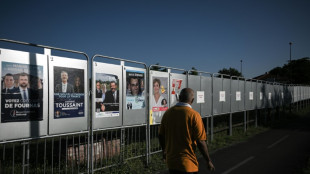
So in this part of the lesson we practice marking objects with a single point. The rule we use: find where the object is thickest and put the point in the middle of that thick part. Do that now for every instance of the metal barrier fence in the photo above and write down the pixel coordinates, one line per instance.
(100, 139)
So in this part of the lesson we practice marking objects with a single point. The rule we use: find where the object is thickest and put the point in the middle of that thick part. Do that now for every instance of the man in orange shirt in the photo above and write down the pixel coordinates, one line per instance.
(180, 132)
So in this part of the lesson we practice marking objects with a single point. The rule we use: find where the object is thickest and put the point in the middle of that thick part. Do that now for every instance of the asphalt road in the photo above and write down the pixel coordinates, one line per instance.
(284, 150)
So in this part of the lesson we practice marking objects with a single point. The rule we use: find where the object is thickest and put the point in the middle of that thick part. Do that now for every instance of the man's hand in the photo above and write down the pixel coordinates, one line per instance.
(210, 166)
(164, 156)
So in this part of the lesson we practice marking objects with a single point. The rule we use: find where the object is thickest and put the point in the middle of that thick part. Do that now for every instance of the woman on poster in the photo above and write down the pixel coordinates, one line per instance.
(157, 101)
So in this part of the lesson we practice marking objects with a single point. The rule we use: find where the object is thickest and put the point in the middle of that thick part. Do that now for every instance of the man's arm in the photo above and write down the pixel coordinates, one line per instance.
(162, 144)
(202, 146)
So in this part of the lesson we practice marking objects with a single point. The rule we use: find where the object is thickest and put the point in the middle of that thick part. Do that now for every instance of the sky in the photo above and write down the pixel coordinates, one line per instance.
(206, 34)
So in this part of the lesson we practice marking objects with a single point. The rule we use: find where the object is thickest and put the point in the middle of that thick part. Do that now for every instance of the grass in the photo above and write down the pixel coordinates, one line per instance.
(156, 164)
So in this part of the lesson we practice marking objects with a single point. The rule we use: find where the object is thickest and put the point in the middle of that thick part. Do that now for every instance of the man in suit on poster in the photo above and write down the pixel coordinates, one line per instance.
(64, 87)
(9, 84)
(111, 101)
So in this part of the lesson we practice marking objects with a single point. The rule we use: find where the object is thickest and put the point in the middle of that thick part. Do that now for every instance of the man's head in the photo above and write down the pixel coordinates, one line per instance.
(98, 85)
(113, 86)
(187, 95)
(64, 76)
(134, 86)
(8, 80)
(23, 80)
(77, 81)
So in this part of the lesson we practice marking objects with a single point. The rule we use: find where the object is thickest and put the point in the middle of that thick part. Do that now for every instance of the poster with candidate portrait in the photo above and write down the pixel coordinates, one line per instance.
(135, 97)
(159, 98)
(176, 87)
(22, 92)
(68, 92)
(107, 95)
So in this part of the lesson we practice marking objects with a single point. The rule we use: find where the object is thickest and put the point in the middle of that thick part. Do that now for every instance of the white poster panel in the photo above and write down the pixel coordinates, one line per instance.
(260, 95)
(68, 99)
(269, 96)
(23, 94)
(251, 95)
(200, 97)
(222, 96)
(238, 95)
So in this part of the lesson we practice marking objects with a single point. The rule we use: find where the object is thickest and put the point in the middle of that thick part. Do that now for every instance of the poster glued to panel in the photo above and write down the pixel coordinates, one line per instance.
(260, 95)
(269, 96)
(135, 93)
(251, 96)
(68, 100)
(238, 96)
(158, 98)
(200, 97)
(23, 94)
(107, 95)
(222, 96)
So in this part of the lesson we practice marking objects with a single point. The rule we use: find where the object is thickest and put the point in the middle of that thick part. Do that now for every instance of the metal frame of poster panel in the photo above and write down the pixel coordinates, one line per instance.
(159, 86)
(34, 126)
(124, 109)
(237, 93)
(106, 105)
(250, 94)
(137, 111)
(135, 102)
(221, 94)
(23, 116)
(68, 97)
(203, 93)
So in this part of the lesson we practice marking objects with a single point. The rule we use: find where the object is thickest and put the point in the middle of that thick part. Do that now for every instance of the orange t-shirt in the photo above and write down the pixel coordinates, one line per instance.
(182, 126)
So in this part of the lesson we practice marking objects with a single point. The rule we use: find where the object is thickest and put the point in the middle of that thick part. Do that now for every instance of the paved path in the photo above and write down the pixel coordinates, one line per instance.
(279, 150)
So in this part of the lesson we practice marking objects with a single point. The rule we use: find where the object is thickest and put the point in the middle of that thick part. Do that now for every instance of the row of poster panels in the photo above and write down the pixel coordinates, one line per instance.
(45, 95)
(35, 102)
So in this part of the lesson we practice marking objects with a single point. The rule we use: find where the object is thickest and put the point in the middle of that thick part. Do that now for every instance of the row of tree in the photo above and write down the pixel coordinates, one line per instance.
(294, 72)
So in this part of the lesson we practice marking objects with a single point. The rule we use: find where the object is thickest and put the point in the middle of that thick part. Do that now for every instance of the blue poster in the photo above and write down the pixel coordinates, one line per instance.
(69, 96)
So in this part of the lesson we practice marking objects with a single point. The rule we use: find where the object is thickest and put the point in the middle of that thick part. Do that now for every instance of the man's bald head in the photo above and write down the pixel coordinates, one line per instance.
(187, 95)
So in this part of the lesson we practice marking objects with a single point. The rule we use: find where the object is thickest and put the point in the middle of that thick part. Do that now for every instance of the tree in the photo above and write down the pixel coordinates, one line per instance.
(230, 72)
(156, 67)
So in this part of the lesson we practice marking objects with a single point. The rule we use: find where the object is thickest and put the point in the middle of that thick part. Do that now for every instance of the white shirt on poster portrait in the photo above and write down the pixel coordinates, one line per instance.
(156, 114)
(64, 87)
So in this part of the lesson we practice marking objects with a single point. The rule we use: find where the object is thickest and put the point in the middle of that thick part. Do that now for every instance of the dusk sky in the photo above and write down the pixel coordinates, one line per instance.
(208, 35)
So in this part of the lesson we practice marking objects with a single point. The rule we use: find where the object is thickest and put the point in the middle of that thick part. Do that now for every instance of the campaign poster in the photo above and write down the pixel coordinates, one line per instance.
(251, 96)
(159, 99)
(22, 92)
(69, 97)
(200, 97)
(222, 96)
(238, 96)
(135, 97)
(176, 87)
(107, 95)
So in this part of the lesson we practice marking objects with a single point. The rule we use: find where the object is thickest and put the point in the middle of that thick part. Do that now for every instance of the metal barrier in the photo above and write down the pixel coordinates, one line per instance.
(105, 139)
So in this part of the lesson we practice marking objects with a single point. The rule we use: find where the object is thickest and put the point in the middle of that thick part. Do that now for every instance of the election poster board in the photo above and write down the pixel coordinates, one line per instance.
(68, 92)
(23, 94)
(177, 83)
(135, 94)
(107, 95)
(158, 96)
(68, 99)
(134, 102)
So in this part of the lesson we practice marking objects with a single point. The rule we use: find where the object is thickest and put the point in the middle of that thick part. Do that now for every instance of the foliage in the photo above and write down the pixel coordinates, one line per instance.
(157, 67)
(295, 72)
(230, 72)
(193, 71)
